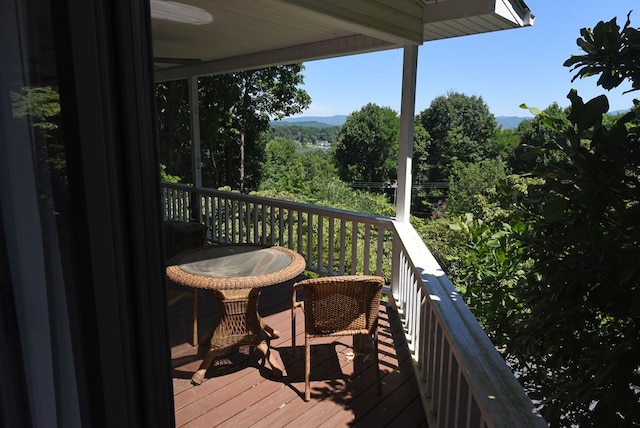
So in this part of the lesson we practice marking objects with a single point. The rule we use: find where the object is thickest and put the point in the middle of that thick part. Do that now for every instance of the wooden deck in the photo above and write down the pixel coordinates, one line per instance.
(238, 392)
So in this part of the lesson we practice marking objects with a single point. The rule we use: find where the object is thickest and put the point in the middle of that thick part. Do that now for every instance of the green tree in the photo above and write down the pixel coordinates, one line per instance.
(611, 52)
(584, 290)
(283, 168)
(579, 344)
(422, 196)
(318, 169)
(367, 147)
(461, 128)
(557, 279)
(41, 106)
(174, 138)
(469, 183)
(167, 177)
(305, 134)
(506, 142)
(534, 136)
(235, 110)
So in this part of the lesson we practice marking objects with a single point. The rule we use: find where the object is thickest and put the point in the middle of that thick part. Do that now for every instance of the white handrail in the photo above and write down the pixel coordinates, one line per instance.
(328, 238)
(463, 379)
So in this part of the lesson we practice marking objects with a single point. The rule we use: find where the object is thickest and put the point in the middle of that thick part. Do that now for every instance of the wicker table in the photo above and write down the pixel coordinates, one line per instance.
(236, 273)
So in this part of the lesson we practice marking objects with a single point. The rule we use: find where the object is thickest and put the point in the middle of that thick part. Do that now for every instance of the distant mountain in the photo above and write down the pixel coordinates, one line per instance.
(337, 120)
(506, 122)
(309, 124)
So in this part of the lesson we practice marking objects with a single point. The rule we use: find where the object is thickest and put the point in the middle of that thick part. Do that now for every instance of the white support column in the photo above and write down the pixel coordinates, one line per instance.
(407, 118)
(405, 154)
(194, 108)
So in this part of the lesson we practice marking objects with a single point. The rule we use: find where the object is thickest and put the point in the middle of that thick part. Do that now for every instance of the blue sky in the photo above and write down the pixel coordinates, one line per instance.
(505, 68)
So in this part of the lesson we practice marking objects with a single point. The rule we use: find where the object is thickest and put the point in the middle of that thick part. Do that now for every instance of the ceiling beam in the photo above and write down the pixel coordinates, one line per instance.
(307, 52)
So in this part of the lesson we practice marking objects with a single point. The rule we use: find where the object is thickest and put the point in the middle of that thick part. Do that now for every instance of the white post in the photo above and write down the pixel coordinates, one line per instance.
(405, 153)
(194, 108)
(407, 117)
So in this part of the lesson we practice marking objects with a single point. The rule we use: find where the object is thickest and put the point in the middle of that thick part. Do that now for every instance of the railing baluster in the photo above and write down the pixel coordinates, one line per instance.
(367, 250)
(225, 210)
(263, 222)
(300, 229)
(218, 211)
(281, 227)
(256, 220)
(354, 247)
(232, 220)
(380, 250)
(343, 249)
(310, 241)
(331, 246)
(290, 214)
(240, 221)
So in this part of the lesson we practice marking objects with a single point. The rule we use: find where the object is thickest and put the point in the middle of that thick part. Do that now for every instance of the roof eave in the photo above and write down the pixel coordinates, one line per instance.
(440, 19)
(462, 18)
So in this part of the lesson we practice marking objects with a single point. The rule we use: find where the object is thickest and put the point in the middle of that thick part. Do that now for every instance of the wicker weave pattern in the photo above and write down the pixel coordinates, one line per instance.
(337, 306)
(241, 324)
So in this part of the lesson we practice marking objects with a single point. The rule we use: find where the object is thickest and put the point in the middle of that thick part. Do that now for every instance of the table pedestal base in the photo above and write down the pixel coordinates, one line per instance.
(240, 324)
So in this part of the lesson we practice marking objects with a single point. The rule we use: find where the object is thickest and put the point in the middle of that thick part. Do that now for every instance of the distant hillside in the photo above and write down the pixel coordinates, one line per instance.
(506, 122)
(337, 120)
(309, 123)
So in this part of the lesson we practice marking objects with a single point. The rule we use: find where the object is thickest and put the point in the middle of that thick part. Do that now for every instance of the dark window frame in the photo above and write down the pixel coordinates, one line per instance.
(114, 283)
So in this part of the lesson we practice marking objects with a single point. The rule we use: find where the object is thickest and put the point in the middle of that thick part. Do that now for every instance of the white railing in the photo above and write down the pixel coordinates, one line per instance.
(329, 239)
(463, 380)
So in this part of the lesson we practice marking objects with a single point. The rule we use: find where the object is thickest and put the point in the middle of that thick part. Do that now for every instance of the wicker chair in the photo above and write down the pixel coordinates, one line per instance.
(337, 306)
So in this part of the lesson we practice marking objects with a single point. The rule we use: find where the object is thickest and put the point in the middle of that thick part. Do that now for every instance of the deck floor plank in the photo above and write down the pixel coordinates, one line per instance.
(239, 392)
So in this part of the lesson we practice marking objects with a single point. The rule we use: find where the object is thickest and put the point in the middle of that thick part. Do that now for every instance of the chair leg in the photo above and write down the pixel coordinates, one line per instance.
(293, 330)
(307, 368)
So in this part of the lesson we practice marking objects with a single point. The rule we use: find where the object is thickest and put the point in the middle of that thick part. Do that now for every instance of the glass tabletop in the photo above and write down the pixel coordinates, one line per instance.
(235, 266)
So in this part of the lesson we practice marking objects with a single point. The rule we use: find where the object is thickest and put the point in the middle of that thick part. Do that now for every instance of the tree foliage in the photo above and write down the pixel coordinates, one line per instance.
(580, 336)
(283, 169)
(533, 135)
(424, 199)
(305, 134)
(506, 142)
(610, 52)
(461, 128)
(40, 105)
(304, 172)
(174, 138)
(469, 183)
(367, 148)
(555, 277)
(235, 110)
(583, 292)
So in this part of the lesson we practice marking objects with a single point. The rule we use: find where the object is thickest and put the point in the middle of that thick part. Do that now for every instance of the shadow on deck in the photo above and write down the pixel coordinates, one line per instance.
(239, 392)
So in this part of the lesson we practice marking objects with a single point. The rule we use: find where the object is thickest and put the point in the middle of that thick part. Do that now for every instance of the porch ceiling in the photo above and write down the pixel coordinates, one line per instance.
(199, 37)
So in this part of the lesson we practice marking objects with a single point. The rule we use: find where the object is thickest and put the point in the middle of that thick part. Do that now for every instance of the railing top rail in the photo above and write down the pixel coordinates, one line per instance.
(314, 209)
